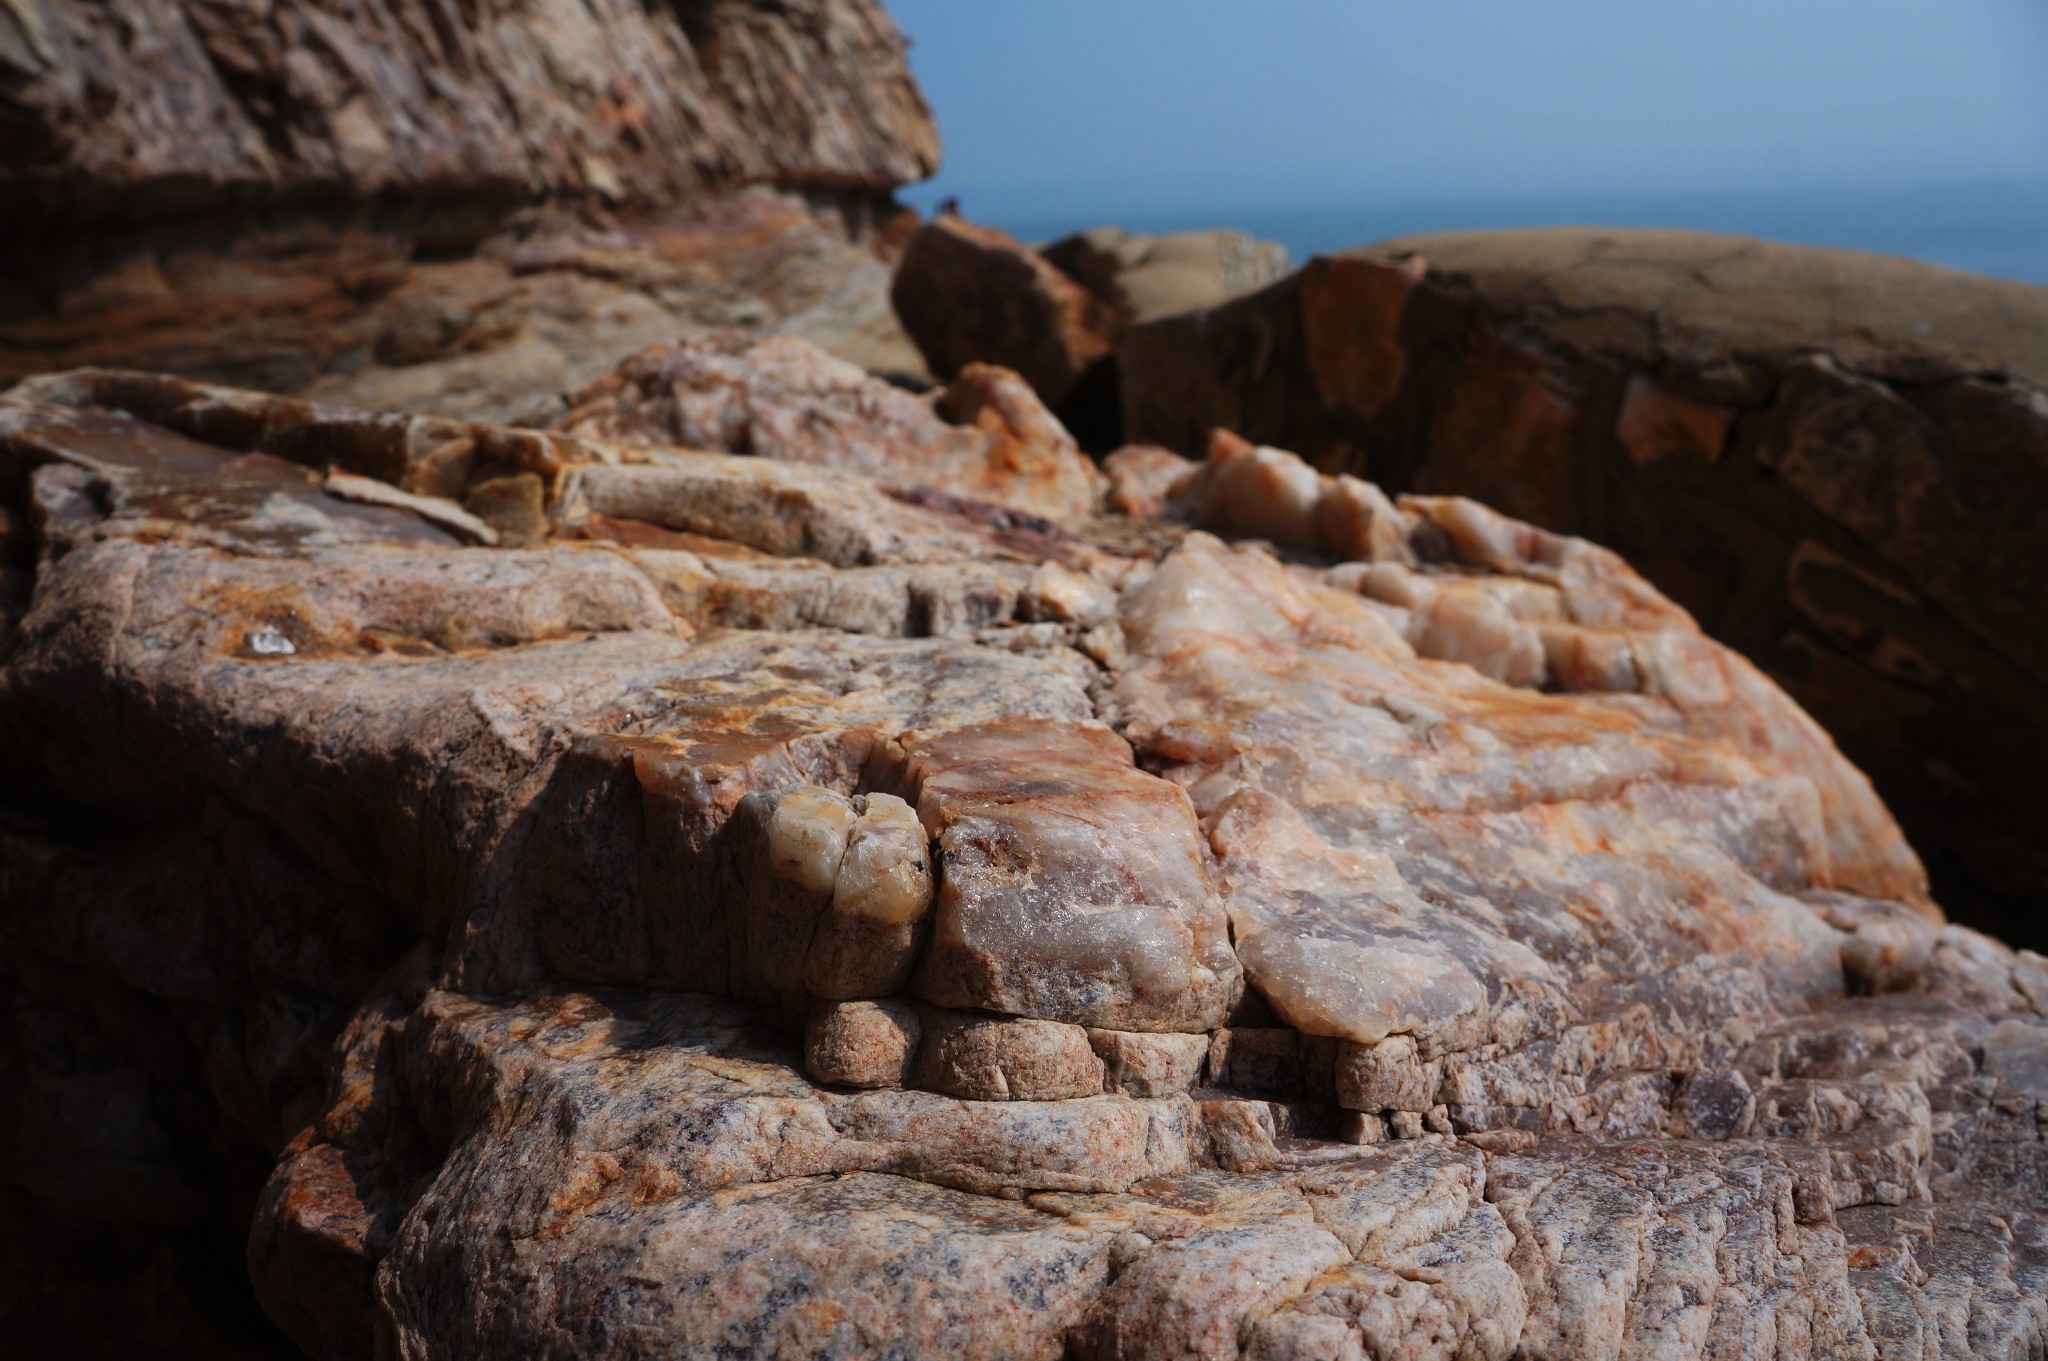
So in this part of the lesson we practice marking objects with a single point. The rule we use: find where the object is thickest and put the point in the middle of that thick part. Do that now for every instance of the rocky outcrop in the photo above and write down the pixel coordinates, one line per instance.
(972, 294)
(416, 206)
(153, 108)
(1834, 461)
(647, 932)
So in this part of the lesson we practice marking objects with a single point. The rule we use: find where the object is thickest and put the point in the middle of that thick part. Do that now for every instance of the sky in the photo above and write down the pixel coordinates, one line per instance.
(1081, 109)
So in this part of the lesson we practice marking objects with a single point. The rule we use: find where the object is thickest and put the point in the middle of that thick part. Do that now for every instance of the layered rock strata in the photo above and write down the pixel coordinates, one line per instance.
(763, 903)
(1834, 461)
(427, 207)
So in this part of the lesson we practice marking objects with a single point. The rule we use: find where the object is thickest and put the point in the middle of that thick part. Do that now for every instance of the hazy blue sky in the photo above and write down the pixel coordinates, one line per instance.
(1107, 107)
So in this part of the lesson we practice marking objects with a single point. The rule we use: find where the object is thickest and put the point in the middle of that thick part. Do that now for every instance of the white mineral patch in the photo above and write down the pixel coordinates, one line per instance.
(807, 836)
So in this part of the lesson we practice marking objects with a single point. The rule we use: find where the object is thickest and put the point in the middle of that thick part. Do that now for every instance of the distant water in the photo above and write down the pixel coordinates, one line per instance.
(1999, 229)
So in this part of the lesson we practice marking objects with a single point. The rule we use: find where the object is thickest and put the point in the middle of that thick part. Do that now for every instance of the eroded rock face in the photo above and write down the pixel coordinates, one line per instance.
(404, 97)
(412, 206)
(1834, 461)
(766, 905)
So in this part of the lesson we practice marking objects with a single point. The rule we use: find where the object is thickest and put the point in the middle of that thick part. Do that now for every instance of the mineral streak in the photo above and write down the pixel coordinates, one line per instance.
(819, 897)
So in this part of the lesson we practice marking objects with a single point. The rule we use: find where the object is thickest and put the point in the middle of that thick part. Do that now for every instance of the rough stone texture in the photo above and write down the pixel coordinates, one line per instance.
(419, 206)
(1449, 954)
(1148, 277)
(969, 294)
(1140, 1063)
(359, 311)
(983, 437)
(1022, 1059)
(146, 107)
(1834, 461)
(861, 1044)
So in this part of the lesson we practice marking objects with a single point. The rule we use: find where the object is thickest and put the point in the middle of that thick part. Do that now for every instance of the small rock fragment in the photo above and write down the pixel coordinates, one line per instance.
(807, 836)
(515, 506)
(1356, 522)
(1143, 478)
(1246, 491)
(885, 875)
(1054, 593)
(433, 509)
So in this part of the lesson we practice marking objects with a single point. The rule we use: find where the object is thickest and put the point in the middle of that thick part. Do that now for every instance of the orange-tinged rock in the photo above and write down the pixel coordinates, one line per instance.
(1828, 458)
(769, 911)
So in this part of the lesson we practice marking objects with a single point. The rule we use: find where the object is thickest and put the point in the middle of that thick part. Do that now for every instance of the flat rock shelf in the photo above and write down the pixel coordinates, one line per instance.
(756, 863)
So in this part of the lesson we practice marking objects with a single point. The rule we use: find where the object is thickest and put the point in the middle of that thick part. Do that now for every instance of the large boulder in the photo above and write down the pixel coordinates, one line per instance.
(767, 909)
(972, 294)
(431, 207)
(1837, 462)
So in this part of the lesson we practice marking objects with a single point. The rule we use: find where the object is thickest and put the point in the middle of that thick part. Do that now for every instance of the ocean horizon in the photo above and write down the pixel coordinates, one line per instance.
(1994, 228)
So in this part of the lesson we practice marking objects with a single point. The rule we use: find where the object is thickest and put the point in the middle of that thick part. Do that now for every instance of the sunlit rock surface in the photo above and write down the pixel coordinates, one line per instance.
(806, 898)
(985, 436)
(1837, 462)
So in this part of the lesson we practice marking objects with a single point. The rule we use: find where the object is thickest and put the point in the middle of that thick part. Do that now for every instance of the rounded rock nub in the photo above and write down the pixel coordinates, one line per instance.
(1014, 1058)
(807, 835)
(861, 1044)
(842, 910)
(885, 875)
(867, 939)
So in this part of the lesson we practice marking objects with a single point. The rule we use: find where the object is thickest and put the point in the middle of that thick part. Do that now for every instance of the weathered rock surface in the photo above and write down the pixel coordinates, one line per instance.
(1148, 277)
(972, 294)
(1837, 462)
(149, 106)
(983, 437)
(1417, 940)
(361, 312)
(420, 207)
(968, 294)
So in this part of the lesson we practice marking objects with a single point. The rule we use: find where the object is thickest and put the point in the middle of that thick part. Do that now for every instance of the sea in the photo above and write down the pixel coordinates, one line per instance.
(1990, 227)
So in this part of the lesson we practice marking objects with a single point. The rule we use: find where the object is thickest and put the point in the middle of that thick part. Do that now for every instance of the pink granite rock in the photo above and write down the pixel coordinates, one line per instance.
(1409, 941)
